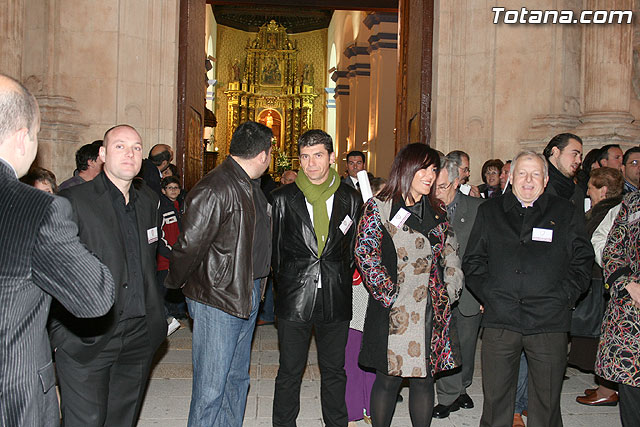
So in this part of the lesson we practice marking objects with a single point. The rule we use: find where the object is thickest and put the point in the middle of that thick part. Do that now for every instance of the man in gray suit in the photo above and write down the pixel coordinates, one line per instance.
(461, 210)
(40, 258)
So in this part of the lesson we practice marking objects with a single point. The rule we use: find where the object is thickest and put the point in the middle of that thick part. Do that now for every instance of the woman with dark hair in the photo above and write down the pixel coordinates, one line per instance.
(491, 178)
(408, 257)
(42, 179)
(604, 188)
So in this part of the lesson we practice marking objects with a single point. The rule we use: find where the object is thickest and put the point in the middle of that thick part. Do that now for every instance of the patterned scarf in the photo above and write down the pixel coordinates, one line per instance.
(441, 355)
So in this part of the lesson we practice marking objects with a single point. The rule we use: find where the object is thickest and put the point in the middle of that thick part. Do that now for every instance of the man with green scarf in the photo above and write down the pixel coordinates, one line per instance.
(314, 228)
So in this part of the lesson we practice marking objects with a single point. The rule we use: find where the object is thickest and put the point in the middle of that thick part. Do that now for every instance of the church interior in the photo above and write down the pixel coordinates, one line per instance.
(374, 74)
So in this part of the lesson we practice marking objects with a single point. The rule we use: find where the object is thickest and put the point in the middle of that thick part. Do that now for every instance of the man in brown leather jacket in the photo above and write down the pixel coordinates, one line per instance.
(221, 260)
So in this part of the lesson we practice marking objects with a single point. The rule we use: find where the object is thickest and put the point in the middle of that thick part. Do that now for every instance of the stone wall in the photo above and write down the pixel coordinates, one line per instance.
(499, 88)
(91, 65)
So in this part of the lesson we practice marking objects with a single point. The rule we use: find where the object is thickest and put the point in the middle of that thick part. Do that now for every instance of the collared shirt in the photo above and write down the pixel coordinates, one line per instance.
(355, 181)
(133, 289)
(261, 247)
(451, 207)
(628, 187)
(10, 166)
(262, 232)
(329, 211)
(523, 204)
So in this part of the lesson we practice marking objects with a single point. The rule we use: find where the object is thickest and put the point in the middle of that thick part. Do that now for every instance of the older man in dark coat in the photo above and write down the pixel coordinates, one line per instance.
(461, 213)
(528, 260)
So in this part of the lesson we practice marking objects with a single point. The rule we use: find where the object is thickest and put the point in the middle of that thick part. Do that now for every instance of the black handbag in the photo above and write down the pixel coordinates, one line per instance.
(586, 319)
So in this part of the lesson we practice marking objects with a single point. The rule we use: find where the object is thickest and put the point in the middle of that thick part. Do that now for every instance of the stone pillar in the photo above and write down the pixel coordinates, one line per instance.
(383, 54)
(341, 95)
(358, 73)
(607, 73)
(11, 37)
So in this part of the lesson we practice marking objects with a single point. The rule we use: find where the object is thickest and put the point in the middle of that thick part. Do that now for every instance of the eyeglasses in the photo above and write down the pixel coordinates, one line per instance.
(492, 172)
(172, 187)
(466, 170)
(443, 187)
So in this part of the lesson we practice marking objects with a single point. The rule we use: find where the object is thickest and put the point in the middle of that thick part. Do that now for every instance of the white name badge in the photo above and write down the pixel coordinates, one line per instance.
(399, 219)
(346, 224)
(152, 235)
(542, 235)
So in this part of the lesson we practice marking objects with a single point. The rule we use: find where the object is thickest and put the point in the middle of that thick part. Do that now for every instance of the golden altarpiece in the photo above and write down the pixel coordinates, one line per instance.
(270, 88)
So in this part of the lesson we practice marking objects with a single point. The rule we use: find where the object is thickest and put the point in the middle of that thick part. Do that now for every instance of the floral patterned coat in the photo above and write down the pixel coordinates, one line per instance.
(619, 350)
(377, 260)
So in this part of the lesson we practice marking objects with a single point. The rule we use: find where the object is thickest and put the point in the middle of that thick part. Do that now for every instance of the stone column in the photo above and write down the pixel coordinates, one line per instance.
(607, 73)
(341, 96)
(11, 37)
(358, 73)
(383, 53)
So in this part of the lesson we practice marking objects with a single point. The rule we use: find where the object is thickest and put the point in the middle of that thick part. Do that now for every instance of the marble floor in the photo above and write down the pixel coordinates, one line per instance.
(167, 400)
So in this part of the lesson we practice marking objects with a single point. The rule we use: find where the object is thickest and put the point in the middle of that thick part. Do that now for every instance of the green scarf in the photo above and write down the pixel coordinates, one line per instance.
(317, 196)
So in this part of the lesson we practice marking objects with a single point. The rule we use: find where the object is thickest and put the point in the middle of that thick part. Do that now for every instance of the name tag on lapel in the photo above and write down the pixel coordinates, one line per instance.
(542, 235)
(152, 235)
(345, 225)
(399, 218)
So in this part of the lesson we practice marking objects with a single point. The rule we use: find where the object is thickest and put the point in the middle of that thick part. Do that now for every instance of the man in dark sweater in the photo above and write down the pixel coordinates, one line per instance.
(564, 157)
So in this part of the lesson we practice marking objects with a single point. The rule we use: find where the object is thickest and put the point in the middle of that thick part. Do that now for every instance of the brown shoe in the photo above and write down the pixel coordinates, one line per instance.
(595, 400)
(517, 421)
(589, 391)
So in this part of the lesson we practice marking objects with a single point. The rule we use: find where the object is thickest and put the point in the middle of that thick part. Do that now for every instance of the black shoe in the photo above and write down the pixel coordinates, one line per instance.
(399, 398)
(442, 411)
(464, 401)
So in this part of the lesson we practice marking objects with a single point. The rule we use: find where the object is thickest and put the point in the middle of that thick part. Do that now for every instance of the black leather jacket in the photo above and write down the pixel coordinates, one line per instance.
(212, 259)
(295, 262)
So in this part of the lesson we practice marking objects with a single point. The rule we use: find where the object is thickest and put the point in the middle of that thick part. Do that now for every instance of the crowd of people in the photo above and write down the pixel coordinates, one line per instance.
(397, 278)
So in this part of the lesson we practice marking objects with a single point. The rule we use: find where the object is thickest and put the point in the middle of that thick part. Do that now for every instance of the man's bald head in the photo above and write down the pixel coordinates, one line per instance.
(18, 109)
(161, 156)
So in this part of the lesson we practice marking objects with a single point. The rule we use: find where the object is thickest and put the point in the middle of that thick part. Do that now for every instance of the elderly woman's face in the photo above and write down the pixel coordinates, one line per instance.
(596, 194)
(422, 182)
(44, 186)
(492, 175)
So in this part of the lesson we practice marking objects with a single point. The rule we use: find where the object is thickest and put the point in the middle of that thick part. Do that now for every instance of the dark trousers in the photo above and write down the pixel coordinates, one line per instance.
(293, 340)
(547, 359)
(174, 303)
(108, 390)
(629, 404)
(454, 383)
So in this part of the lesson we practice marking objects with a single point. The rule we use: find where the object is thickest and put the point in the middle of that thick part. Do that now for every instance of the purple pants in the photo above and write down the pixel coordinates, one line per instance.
(359, 382)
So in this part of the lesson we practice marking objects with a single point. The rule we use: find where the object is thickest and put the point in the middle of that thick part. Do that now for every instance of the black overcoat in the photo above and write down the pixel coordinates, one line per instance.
(526, 285)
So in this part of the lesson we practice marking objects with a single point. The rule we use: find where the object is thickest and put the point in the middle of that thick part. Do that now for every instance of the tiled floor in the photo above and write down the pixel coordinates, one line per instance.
(167, 400)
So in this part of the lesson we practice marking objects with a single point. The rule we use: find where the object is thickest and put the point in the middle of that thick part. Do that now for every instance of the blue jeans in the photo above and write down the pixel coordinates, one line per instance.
(522, 391)
(221, 355)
